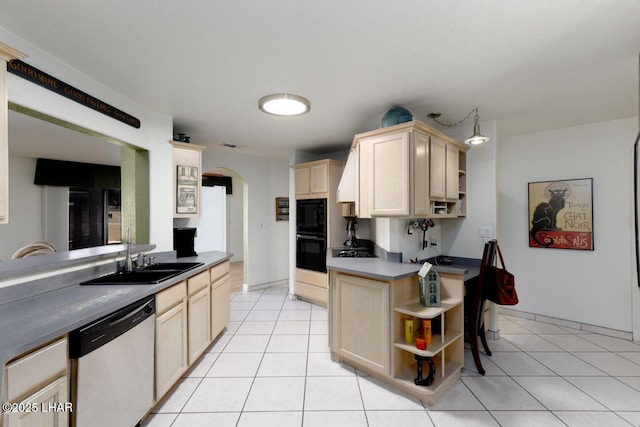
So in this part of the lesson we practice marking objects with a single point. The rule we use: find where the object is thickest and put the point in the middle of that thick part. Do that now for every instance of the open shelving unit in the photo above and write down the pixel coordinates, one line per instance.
(447, 343)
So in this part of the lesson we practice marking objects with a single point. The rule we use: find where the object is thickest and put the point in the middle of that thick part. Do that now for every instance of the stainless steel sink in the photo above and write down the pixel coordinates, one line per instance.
(149, 275)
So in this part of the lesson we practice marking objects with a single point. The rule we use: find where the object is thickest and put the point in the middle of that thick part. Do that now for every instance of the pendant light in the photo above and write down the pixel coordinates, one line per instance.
(476, 138)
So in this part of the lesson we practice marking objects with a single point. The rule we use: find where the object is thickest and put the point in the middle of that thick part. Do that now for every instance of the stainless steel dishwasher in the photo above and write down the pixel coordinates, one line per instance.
(112, 367)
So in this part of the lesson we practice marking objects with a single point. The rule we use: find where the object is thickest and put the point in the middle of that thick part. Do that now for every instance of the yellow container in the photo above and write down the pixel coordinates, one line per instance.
(408, 330)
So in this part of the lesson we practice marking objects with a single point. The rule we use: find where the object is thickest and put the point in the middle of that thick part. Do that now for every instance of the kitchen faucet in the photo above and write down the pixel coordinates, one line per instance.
(131, 259)
(128, 262)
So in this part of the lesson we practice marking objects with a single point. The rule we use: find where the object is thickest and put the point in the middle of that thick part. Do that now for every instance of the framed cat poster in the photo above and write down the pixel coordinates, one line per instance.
(561, 214)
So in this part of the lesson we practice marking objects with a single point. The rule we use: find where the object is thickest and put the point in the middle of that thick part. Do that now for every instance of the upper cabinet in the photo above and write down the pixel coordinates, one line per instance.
(187, 179)
(7, 53)
(405, 170)
(313, 179)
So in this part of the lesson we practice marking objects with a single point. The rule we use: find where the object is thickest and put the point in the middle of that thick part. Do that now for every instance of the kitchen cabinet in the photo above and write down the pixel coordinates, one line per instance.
(171, 337)
(311, 180)
(312, 285)
(406, 170)
(444, 174)
(367, 324)
(315, 180)
(438, 169)
(388, 181)
(189, 316)
(187, 179)
(38, 380)
(7, 53)
(220, 298)
(361, 307)
(198, 314)
(447, 345)
(394, 175)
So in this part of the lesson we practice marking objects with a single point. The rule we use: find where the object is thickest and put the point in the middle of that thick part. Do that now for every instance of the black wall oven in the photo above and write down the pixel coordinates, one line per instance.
(311, 234)
(311, 253)
(311, 217)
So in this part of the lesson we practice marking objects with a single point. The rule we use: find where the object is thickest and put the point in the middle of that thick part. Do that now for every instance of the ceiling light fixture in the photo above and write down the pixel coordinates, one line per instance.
(284, 104)
(476, 138)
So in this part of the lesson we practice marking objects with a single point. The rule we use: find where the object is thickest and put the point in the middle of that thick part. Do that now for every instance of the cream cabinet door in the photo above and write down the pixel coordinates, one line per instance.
(319, 178)
(389, 179)
(363, 321)
(48, 407)
(220, 305)
(420, 173)
(171, 348)
(452, 172)
(438, 167)
(303, 181)
(199, 326)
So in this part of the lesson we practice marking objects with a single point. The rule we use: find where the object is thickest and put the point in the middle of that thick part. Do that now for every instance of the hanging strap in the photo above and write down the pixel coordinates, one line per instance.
(500, 256)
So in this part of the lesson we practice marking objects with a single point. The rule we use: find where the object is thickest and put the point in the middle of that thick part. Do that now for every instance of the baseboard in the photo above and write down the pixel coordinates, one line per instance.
(567, 323)
(261, 286)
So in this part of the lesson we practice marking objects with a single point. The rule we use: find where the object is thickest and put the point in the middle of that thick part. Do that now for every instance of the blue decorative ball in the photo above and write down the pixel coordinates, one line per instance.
(395, 116)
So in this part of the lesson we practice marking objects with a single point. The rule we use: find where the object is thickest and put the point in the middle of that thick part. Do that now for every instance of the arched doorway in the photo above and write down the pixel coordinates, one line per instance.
(236, 225)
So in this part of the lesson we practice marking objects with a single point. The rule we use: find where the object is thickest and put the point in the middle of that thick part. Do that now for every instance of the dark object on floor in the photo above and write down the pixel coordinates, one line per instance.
(432, 371)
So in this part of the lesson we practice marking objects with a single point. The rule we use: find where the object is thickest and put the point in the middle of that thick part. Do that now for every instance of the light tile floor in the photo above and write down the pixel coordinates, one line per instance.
(272, 367)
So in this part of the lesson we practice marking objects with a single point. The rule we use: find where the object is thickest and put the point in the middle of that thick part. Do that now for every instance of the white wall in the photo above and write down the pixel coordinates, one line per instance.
(36, 212)
(592, 287)
(25, 208)
(235, 222)
(266, 254)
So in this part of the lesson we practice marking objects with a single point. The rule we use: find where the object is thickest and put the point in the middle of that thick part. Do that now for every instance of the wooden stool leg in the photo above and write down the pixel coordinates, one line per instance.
(473, 335)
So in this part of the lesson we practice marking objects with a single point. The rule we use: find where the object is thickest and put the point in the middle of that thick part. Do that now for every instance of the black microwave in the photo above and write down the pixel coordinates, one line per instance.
(311, 217)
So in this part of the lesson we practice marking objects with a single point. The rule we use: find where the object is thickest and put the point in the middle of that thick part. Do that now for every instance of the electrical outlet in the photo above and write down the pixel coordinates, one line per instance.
(433, 242)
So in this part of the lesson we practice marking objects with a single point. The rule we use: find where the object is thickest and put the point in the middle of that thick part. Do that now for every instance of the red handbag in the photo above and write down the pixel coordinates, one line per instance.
(501, 286)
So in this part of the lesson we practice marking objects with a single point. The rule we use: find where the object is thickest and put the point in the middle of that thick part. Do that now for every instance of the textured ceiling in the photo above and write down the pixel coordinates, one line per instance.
(530, 65)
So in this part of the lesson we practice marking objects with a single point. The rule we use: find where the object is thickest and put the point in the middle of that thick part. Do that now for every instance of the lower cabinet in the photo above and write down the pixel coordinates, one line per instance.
(362, 320)
(171, 337)
(220, 305)
(312, 286)
(220, 297)
(47, 407)
(38, 387)
(189, 315)
(367, 319)
(199, 313)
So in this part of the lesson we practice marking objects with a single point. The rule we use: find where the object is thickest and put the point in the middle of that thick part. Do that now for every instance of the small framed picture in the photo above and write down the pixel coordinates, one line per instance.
(561, 214)
(187, 190)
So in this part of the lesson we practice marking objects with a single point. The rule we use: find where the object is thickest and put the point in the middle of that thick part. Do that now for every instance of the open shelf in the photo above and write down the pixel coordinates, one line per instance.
(431, 393)
(436, 346)
(415, 309)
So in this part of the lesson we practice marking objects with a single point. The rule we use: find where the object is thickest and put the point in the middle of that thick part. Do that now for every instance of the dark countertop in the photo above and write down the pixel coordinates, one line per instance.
(379, 268)
(33, 321)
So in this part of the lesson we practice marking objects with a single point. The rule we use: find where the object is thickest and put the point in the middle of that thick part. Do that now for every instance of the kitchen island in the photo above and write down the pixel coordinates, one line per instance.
(369, 301)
